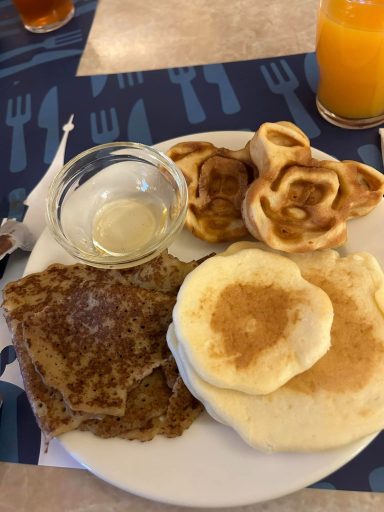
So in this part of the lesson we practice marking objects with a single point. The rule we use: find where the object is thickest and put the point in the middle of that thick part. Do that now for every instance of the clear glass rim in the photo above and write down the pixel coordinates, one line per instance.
(363, 2)
(349, 123)
(50, 27)
(135, 257)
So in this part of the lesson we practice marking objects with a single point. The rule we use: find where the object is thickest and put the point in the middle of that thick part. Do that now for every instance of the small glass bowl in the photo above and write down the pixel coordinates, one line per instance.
(117, 205)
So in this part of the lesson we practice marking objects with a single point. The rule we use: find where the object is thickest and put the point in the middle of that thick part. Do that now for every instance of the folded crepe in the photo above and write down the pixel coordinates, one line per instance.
(98, 343)
(49, 298)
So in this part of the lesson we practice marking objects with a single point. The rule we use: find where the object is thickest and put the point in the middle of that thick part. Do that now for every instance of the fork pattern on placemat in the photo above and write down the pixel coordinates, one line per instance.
(148, 107)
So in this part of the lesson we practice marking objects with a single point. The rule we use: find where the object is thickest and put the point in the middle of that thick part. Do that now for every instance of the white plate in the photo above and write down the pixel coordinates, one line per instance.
(209, 465)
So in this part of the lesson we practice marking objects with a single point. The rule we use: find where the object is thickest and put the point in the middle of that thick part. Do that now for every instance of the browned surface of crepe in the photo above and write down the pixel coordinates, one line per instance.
(148, 400)
(67, 303)
(98, 342)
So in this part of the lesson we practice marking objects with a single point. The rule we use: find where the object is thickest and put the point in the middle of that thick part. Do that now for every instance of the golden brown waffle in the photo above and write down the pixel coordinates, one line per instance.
(217, 179)
(300, 204)
(277, 145)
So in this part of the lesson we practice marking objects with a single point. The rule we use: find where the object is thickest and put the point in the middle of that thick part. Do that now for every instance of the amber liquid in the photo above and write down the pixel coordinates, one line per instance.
(41, 13)
(123, 225)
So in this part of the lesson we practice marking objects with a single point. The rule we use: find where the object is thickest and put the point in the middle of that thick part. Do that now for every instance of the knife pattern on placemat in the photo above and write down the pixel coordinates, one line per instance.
(149, 107)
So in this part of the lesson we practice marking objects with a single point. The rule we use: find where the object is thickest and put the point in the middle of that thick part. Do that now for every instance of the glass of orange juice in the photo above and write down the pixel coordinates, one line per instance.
(44, 15)
(350, 54)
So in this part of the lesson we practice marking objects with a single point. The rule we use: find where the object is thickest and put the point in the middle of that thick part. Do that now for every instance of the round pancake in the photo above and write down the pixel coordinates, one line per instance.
(341, 398)
(250, 322)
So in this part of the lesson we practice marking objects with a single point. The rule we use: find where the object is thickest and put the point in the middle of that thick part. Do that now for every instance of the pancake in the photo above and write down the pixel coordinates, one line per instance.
(217, 180)
(340, 398)
(249, 321)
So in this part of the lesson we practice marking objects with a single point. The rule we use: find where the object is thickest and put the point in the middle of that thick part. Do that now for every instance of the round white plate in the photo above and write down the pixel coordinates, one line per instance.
(209, 465)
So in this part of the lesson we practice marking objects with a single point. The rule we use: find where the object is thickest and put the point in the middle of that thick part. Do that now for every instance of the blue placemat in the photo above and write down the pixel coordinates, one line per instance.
(37, 99)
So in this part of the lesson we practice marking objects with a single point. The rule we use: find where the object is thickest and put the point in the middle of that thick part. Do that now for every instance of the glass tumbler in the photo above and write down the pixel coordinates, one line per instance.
(350, 54)
(44, 15)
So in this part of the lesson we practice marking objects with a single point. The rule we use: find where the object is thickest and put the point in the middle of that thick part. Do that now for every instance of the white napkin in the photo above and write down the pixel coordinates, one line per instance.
(14, 234)
(36, 201)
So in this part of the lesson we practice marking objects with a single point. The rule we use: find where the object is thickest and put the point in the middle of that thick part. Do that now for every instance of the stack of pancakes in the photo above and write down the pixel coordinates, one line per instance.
(274, 190)
(92, 350)
(288, 351)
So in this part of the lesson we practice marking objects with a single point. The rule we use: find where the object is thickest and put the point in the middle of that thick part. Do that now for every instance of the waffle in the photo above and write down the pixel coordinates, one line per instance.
(300, 204)
(217, 180)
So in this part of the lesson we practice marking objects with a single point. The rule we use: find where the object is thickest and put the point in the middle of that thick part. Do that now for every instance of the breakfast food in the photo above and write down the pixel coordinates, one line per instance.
(66, 312)
(249, 321)
(299, 204)
(217, 179)
(253, 331)
(274, 190)
(276, 145)
(156, 405)
(99, 343)
(340, 398)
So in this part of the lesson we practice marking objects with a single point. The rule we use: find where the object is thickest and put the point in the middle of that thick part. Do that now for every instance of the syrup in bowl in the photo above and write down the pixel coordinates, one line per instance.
(117, 205)
(113, 231)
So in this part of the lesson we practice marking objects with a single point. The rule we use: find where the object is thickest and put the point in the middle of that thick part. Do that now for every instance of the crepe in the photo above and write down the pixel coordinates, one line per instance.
(148, 400)
(53, 415)
(183, 409)
(159, 404)
(340, 398)
(98, 343)
(217, 179)
(249, 321)
(25, 300)
(164, 273)
(21, 299)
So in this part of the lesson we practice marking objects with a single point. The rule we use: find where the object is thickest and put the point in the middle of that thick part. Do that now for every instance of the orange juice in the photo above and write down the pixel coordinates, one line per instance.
(350, 53)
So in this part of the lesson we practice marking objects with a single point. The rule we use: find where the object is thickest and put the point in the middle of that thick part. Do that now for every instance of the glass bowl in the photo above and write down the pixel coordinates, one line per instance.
(117, 205)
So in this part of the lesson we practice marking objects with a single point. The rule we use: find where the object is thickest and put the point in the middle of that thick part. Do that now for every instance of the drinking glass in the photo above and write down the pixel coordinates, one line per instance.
(44, 15)
(350, 54)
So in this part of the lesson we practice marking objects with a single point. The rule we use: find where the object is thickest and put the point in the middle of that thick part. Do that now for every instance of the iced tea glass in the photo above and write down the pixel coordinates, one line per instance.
(44, 15)
(350, 54)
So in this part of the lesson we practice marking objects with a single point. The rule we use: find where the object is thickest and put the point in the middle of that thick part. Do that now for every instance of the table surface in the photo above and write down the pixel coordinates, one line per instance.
(183, 33)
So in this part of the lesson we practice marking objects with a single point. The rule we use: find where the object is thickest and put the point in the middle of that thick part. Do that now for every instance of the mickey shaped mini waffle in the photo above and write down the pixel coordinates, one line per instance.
(276, 145)
(217, 180)
(299, 204)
